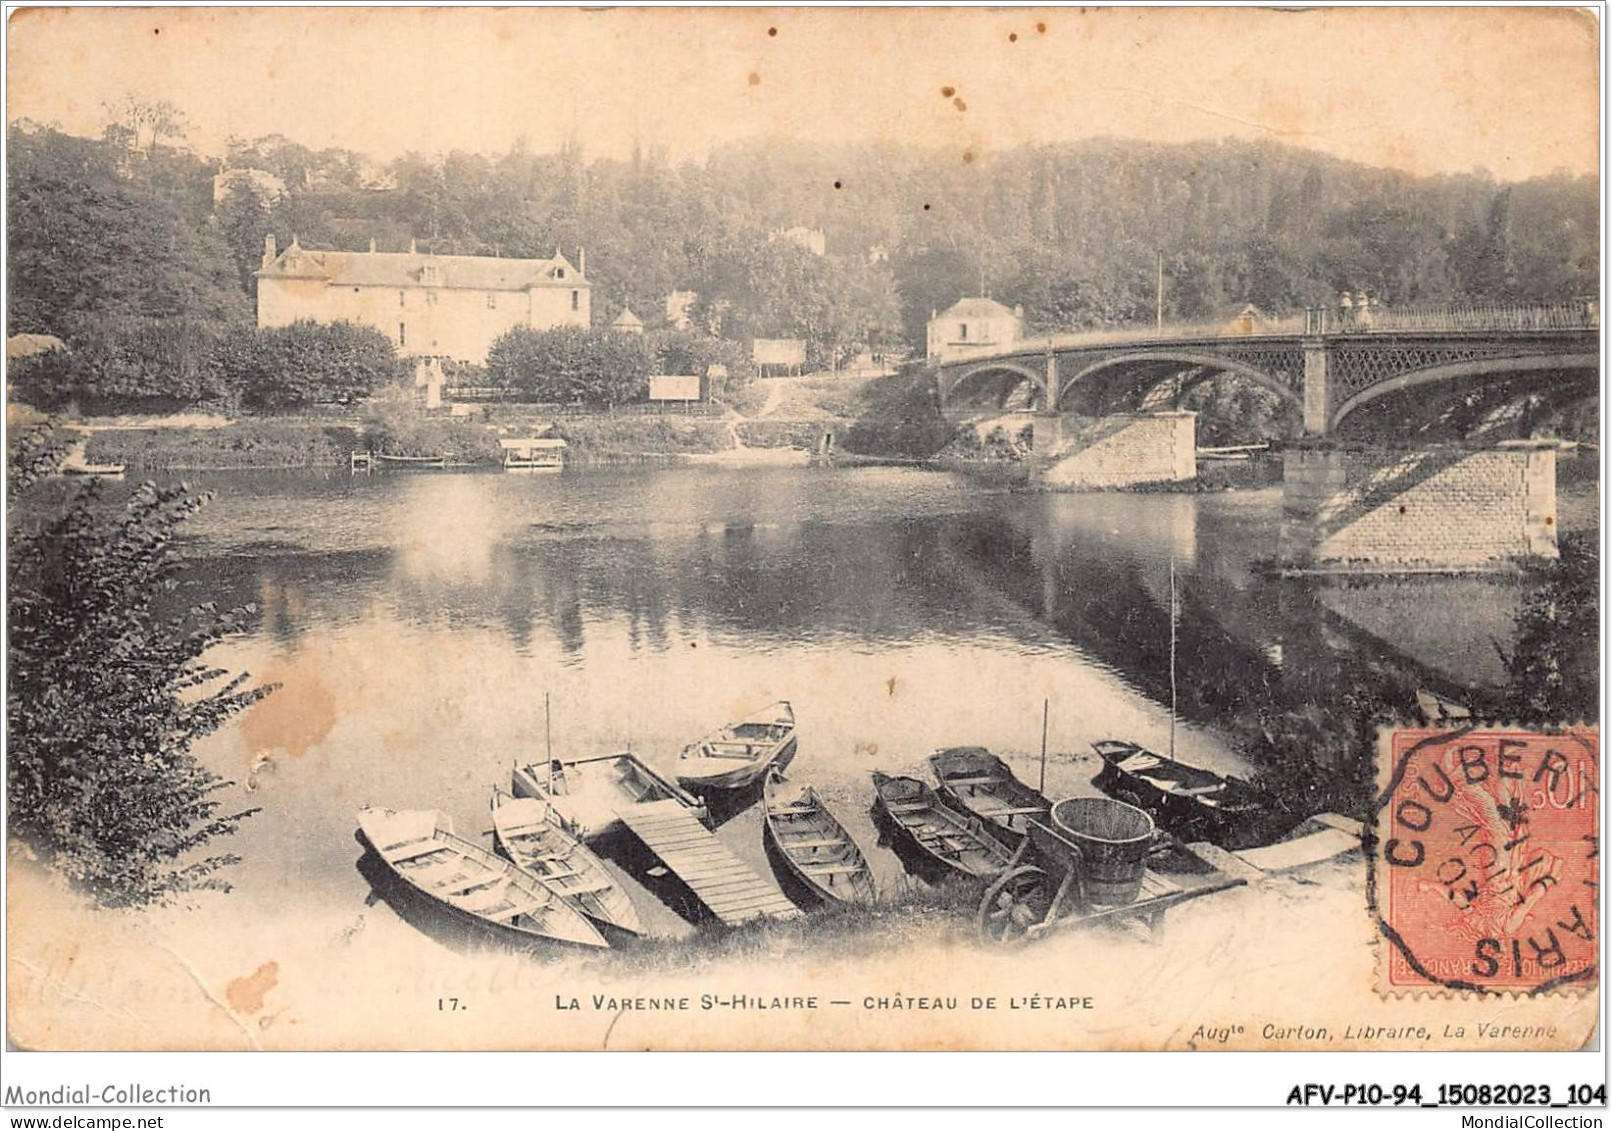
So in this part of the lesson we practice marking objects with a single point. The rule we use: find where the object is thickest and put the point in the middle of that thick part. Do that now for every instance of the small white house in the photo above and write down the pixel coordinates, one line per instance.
(974, 324)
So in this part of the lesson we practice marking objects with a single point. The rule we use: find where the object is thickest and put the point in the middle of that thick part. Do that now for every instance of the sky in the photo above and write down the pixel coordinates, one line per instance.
(1428, 90)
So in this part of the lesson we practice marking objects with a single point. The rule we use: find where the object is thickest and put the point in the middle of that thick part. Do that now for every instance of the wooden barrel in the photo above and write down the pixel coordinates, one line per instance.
(1113, 839)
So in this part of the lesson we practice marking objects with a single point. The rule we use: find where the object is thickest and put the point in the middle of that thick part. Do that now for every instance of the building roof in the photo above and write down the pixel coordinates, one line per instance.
(410, 269)
(627, 320)
(976, 308)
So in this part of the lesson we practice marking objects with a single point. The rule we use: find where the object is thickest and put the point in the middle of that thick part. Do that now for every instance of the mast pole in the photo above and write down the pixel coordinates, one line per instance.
(548, 744)
(1172, 658)
(1158, 294)
(1046, 708)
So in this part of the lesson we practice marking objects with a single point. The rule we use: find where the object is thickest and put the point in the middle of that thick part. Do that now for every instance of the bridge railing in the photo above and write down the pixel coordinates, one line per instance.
(1174, 331)
(1495, 317)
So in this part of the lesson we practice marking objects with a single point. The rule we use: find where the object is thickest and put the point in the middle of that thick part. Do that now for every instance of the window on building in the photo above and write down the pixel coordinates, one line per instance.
(402, 298)
(962, 331)
(576, 300)
(402, 334)
(492, 302)
(559, 272)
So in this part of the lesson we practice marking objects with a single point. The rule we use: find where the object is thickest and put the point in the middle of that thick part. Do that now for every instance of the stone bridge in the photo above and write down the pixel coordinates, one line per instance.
(1330, 363)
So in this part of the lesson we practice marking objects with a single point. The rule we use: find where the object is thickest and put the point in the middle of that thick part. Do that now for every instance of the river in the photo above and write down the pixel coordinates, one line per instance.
(416, 621)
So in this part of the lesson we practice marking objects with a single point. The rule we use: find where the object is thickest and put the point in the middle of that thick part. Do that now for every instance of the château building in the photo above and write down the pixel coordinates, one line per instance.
(430, 306)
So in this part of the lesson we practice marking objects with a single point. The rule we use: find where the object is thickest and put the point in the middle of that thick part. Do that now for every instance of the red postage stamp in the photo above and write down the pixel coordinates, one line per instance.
(1485, 865)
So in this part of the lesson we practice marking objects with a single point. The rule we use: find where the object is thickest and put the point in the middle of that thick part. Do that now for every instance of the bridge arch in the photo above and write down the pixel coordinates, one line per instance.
(971, 379)
(1207, 361)
(1484, 367)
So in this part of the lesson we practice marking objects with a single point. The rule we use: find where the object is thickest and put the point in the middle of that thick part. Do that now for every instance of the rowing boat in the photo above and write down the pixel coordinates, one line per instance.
(956, 840)
(1191, 802)
(814, 845)
(420, 848)
(587, 794)
(975, 780)
(412, 461)
(523, 833)
(739, 755)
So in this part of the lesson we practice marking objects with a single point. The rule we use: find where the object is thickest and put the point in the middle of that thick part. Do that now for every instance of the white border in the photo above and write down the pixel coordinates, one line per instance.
(1116, 1080)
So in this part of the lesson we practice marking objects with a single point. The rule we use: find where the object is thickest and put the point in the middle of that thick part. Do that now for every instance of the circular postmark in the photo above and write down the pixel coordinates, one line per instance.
(1484, 868)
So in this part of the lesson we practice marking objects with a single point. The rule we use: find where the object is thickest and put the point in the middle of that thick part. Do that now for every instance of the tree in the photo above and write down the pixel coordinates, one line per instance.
(134, 360)
(305, 363)
(1554, 667)
(243, 218)
(571, 365)
(133, 118)
(85, 243)
(106, 697)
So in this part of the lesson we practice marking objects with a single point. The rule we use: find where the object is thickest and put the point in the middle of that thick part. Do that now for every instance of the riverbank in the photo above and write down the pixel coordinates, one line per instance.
(880, 418)
(280, 443)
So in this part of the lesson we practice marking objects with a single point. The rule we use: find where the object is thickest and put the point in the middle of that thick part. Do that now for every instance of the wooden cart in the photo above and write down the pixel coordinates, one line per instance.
(1042, 889)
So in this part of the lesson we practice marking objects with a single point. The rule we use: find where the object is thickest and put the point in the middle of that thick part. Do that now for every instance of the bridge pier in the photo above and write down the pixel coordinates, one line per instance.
(1386, 510)
(1072, 453)
(1317, 389)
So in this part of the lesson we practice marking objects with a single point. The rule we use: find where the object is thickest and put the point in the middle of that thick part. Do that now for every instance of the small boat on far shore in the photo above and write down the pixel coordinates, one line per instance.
(815, 847)
(973, 779)
(422, 462)
(469, 883)
(956, 841)
(739, 754)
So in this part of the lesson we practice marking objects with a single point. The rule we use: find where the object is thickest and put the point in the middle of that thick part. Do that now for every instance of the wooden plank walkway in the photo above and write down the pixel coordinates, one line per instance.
(728, 887)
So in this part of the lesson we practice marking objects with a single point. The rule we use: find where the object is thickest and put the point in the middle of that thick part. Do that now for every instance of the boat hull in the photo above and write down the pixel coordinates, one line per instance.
(816, 849)
(953, 842)
(560, 862)
(973, 780)
(741, 755)
(588, 792)
(740, 777)
(519, 912)
(1236, 816)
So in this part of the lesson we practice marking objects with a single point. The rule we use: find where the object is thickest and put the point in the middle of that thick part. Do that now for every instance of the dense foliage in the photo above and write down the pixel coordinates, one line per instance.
(105, 697)
(571, 365)
(305, 363)
(1554, 669)
(160, 364)
(101, 232)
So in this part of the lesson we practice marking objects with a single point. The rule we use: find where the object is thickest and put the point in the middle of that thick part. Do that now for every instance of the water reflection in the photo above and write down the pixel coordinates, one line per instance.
(417, 621)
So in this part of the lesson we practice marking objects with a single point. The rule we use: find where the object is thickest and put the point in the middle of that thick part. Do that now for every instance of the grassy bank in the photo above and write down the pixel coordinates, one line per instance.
(243, 444)
(607, 439)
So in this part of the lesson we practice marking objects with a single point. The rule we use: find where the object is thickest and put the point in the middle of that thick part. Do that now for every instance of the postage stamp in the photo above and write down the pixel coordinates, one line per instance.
(1485, 865)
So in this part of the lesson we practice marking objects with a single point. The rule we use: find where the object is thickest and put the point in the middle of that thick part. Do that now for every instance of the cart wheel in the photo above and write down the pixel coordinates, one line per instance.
(1015, 902)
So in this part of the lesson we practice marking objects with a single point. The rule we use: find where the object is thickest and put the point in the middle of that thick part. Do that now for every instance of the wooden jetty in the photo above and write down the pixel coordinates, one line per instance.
(728, 887)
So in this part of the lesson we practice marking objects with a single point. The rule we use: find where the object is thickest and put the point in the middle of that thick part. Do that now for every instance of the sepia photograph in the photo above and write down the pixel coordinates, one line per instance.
(803, 530)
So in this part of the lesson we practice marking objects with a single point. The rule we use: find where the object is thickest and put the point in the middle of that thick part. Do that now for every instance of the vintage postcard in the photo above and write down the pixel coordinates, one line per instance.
(803, 529)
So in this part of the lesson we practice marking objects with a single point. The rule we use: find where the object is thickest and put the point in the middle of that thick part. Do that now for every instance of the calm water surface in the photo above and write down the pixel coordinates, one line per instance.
(416, 621)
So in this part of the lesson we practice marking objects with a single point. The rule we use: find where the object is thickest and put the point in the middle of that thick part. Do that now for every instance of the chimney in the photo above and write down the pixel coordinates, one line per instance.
(269, 252)
(372, 245)
(412, 250)
(582, 261)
